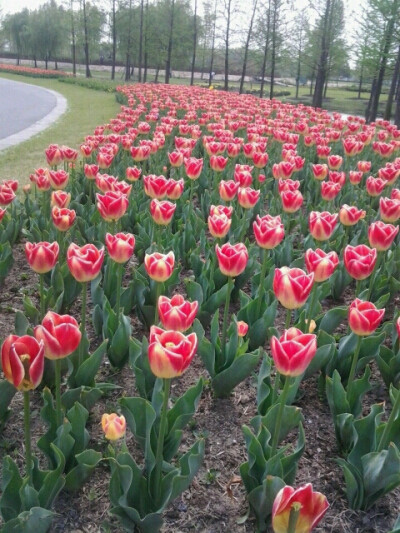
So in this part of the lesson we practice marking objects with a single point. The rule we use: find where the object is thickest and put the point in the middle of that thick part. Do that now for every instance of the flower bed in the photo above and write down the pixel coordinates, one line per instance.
(215, 325)
(33, 72)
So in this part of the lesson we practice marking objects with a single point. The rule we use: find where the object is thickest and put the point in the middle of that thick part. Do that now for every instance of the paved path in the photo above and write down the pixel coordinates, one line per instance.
(25, 110)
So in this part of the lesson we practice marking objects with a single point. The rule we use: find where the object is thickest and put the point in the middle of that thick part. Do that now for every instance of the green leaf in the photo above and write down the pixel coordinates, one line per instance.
(53, 481)
(224, 382)
(261, 500)
(87, 461)
(7, 393)
(381, 473)
(332, 319)
(21, 323)
(89, 368)
(10, 501)
(354, 484)
(118, 352)
(36, 519)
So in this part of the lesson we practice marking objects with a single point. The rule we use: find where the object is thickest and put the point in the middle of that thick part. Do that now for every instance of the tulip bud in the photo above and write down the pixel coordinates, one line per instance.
(114, 426)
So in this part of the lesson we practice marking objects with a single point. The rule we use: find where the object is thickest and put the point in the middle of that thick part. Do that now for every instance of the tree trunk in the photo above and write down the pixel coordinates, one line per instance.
(157, 72)
(86, 42)
(360, 82)
(393, 85)
(114, 42)
(273, 55)
(210, 76)
(372, 95)
(169, 51)
(323, 59)
(194, 42)
(264, 65)
(246, 48)
(397, 112)
(146, 42)
(141, 39)
(128, 46)
(228, 26)
(73, 41)
(298, 72)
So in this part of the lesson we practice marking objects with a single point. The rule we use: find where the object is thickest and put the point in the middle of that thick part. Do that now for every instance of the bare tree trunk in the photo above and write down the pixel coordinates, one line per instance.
(246, 48)
(368, 108)
(397, 111)
(264, 65)
(157, 72)
(323, 59)
(194, 42)
(128, 46)
(228, 4)
(169, 51)
(141, 39)
(114, 42)
(210, 75)
(146, 42)
(360, 82)
(393, 85)
(86, 42)
(273, 55)
(298, 72)
(73, 40)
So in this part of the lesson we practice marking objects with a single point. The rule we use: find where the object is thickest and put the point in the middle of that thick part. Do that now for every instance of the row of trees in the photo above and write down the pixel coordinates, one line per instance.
(271, 39)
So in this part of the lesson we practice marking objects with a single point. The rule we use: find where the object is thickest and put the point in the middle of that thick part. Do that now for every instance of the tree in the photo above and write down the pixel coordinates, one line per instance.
(194, 42)
(16, 27)
(227, 16)
(247, 44)
(170, 41)
(86, 39)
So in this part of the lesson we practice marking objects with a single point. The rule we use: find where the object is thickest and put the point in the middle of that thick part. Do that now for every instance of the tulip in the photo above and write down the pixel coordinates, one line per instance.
(177, 313)
(219, 225)
(291, 201)
(140, 153)
(2, 213)
(228, 190)
(375, 186)
(395, 194)
(193, 167)
(159, 267)
(162, 211)
(293, 351)
(175, 189)
(221, 210)
(322, 264)
(58, 179)
(60, 199)
(381, 235)
(90, 171)
(260, 159)
(292, 286)
(175, 159)
(248, 197)
(120, 247)
(364, 166)
(11, 184)
(307, 507)
(155, 186)
(112, 205)
(355, 177)
(63, 218)
(288, 185)
(389, 209)
(22, 360)
(364, 317)
(335, 162)
(170, 352)
(329, 190)
(232, 259)
(242, 328)
(350, 215)
(113, 426)
(41, 256)
(53, 155)
(104, 160)
(337, 177)
(84, 263)
(320, 171)
(133, 173)
(268, 231)
(359, 261)
(218, 163)
(322, 225)
(7, 195)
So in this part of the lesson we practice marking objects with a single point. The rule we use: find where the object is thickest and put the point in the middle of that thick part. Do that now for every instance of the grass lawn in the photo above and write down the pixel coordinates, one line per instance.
(86, 109)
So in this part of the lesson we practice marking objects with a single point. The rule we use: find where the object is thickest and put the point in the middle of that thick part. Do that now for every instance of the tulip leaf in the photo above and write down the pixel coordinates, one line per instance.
(354, 484)
(261, 500)
(332, 319)
(7, 393)
(291, 419)
(87, 461)
(10, 502)
(21, 324)
(366, 435)
(389, 366)
(194, 291)
(206, 352)
(53, 481)
(319, 361)
(87, 371)
(264, 387)
(139, 361)
(36, 519)
(381, 473)
(78, 417)
(118, 352)
(224, 382)
(258, 331)
(289, 462)
(86, 396)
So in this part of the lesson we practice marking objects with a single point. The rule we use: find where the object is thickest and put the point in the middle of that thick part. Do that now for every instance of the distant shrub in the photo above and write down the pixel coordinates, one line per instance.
(92, 83)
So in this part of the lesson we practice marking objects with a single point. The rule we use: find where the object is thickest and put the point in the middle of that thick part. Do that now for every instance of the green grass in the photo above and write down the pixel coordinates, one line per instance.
(86, 109)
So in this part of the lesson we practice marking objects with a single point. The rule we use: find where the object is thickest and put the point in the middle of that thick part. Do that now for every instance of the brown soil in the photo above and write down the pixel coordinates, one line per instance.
(209, 505)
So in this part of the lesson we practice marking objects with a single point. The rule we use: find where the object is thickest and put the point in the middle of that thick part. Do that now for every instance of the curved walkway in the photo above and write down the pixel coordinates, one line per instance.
(26, 110)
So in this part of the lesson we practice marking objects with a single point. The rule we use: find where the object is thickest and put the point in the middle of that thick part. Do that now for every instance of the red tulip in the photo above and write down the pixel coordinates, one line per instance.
(260, 159)
(312, 505)
(288, 185)
(375, 186)
(84, 263)
(218, 163)
(242, 328)
(350, 215)
(292, 286)
(293, 351)
(133, 173)
(337, 177)
(389, 209)
(155, 186)
(11, 184)
(69, 154)
(355, 177)
(248, 197)
(221, 210)
(113, 426)
(90, 171)
(175, 189)
(329, 190)
(58, 179)
(364, 317)
(53, 155)
(359, 260)
(232, 259)
(322, 264)
(364, 166)
(2, 213)
(268, 231)
(62, 218)
(104, 160)
(291, 201)
(322, 225)
(175, 158)
(193, 167)
(112, 205)
(120, 247)
(219, 225)
(320, 171)
(228, 190)
(381, 235)
(177, 313)
(159, 266)
(22, 360)
(7, 195)
(335, 162)
(170, 352)
(60, 335)
(140, 153)
(60, 199)
(162, 211)
(42, 256)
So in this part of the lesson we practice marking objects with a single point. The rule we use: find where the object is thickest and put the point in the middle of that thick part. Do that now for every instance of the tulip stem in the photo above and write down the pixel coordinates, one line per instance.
(261, 291)
(374, 274)
(358, 287)
(191, 192)
(225, 320)
(312, 305)
(27, 427)
(388, 426)
(42, 299)
(293, 517)
(158, 292)
(58, 391)
(288, 318)
(276, 387)
(160, 440)
(119, 283)
(90, 195)
(83, 322)
(278, 421)
(354, 365)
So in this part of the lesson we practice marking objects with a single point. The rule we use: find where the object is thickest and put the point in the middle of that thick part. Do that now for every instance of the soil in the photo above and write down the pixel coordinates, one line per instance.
(216, 499)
